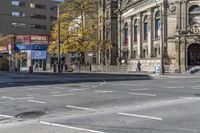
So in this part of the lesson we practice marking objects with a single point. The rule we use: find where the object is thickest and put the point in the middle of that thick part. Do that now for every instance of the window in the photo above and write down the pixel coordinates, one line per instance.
(38, 16)
(135, 31)
(37, 26)
(194, 14)
(18, 25)
(18, 14)
(53, 8)
(157, 24)
(18, 3)
(145, 28)
(38, 6)
(126, 34)
(53, 18)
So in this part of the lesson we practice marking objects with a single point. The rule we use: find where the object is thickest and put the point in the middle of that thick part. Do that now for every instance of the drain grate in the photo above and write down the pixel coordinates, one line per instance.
(30, 115)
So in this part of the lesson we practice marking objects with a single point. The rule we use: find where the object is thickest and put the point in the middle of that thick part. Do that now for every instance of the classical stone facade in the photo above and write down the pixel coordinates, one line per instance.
(150, 30)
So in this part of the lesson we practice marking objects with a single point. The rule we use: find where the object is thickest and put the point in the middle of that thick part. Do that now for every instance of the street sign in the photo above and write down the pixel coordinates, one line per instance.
(158, 69)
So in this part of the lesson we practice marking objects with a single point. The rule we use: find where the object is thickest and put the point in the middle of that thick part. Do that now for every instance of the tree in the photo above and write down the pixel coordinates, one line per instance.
(78, 24)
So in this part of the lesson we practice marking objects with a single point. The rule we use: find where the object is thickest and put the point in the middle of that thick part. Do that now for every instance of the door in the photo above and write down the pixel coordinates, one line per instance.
(194, 55)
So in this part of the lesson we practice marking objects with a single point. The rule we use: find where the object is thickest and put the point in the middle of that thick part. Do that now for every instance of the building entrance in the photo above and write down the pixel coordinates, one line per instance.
(194, 55)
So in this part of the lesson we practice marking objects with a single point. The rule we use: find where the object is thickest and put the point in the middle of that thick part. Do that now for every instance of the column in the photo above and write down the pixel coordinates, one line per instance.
(139, 36)
(150, 32)
(129, 36)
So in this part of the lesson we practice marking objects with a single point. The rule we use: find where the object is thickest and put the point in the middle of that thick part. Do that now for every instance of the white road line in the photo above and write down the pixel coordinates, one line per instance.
(104, 82)
(34, 101)
(196, 88)
(5, 97)
(140, 116)
(60, 95)
(33, 95)
(78, 90)
(128, 84)
(22, 98)
(145, 89)
(190, 98)
(81, 108)
(55, 92)
(143, 94)
(59, 88)
(70, 127)
(6, 116)
(104, 91)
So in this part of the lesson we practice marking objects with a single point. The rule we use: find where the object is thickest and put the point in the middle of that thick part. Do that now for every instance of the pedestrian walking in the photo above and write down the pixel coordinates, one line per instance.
(139, 66)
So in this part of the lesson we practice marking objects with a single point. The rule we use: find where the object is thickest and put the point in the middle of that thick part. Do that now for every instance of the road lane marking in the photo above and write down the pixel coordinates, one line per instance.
(81, 108)
(23, 98)
(78, 90)
(145, 89)
(104, 82)
(190, 98)
(19, 98)
(143, 94)
(55, 92)
(33, 95)
(5, 97)
(141, 116)
(129, 84)
(60, 95)
(59, 88)
(6, 116)
(35, 101)
(70, 127)
(97, 91)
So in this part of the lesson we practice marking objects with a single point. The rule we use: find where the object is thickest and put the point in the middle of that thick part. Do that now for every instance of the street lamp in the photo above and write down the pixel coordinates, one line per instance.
(161, 39)
(58, 13)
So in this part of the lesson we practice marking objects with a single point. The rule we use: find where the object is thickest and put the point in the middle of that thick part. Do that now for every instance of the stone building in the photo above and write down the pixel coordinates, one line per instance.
(155, 31)
(107, 20)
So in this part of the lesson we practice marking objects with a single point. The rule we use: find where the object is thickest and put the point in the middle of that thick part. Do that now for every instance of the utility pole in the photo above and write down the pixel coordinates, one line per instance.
(58, 11)
(161, 41)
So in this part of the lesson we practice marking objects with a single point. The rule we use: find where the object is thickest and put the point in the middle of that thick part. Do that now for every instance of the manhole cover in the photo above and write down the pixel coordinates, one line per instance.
(30, 115)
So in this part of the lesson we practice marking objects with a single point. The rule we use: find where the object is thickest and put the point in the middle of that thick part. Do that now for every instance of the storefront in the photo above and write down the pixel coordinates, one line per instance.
(31, 55)
(31, 51)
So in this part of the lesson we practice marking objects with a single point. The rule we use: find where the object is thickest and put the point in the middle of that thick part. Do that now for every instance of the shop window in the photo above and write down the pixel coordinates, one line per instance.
(24, 59)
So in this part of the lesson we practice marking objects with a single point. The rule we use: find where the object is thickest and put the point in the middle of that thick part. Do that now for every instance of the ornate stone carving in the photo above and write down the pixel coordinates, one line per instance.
(172, 8)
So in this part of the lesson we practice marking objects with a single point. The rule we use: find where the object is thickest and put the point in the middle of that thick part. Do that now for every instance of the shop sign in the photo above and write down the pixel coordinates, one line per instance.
(38, 54)
(32, 46)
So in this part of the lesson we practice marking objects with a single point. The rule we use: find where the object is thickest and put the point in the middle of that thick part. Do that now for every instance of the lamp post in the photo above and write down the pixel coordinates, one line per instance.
(161, 38)
(58, 13)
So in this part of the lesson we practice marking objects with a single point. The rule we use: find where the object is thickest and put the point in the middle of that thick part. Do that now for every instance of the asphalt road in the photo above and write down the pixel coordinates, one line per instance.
(99, 103)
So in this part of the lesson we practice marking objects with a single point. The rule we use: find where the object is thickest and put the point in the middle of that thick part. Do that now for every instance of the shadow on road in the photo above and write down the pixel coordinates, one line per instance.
(26, 79)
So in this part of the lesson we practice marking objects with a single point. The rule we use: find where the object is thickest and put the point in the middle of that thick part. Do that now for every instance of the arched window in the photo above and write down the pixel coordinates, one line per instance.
(126, 34)
(157, 24)
(194, 14)
(135, 31)
(145, 28)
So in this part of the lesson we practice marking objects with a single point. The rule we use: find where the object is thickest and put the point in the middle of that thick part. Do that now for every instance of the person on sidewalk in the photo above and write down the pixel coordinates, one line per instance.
(138, 66)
